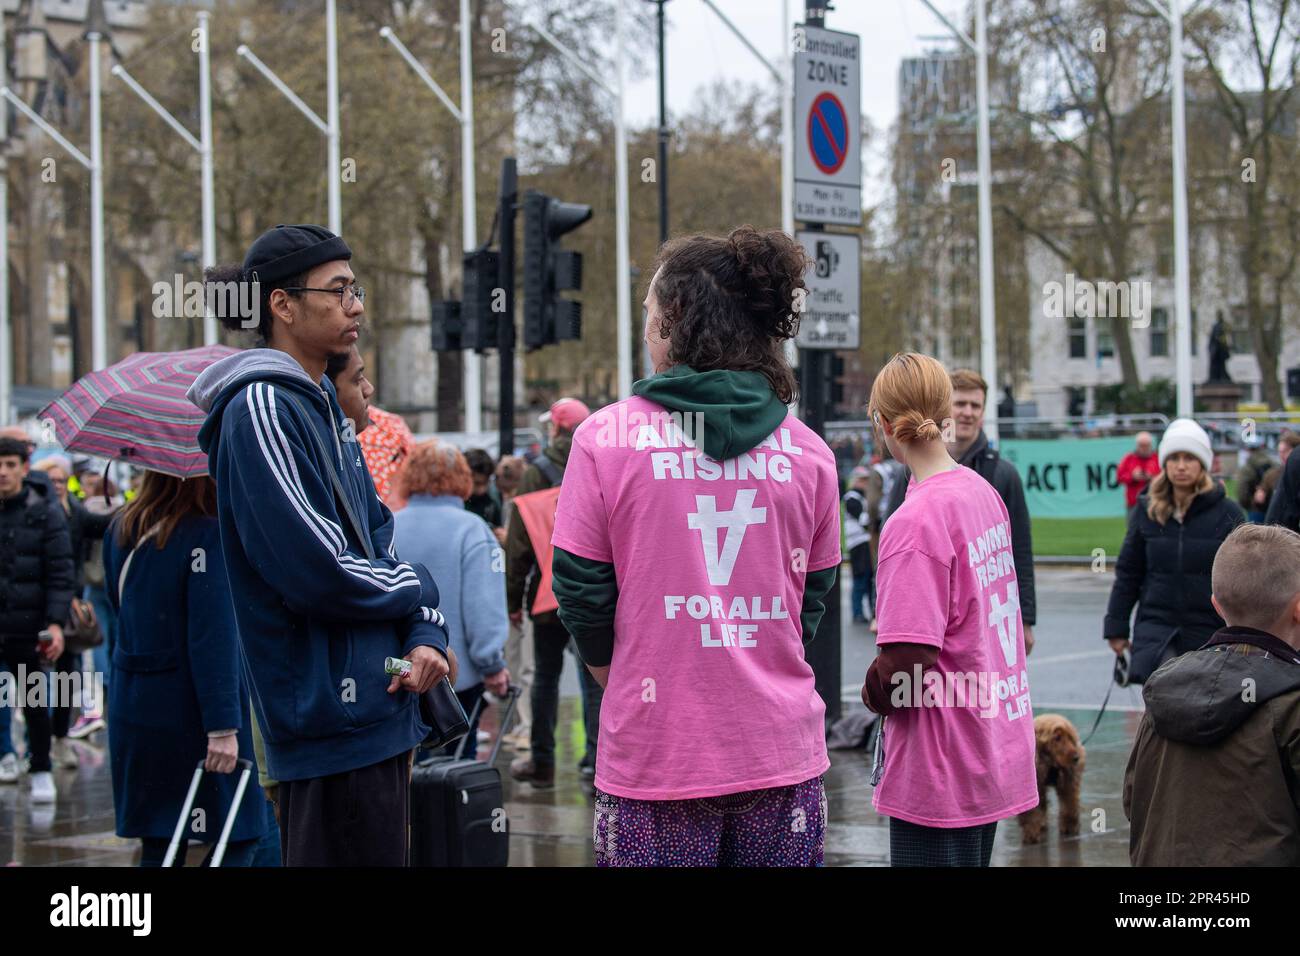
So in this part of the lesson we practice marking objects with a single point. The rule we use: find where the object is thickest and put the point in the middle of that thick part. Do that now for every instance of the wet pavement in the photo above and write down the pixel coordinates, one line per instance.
(553, 827)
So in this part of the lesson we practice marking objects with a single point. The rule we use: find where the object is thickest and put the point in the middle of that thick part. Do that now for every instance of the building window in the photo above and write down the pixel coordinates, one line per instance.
(1105, 343)
(1076, 397)
(1239, 330)
(1159, 333)
(1078, 338)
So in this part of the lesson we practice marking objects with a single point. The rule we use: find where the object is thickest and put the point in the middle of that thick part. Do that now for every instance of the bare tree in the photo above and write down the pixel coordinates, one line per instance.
(1096, 82)
(1249, 55)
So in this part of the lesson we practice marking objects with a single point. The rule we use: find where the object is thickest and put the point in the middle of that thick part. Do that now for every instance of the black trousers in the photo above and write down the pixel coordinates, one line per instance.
(358, 818)
(18, 652)
(911, 844)
(68, 664)
(549, 643)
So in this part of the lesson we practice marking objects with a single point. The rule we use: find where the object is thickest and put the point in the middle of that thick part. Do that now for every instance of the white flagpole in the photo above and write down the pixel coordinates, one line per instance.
(98, 303)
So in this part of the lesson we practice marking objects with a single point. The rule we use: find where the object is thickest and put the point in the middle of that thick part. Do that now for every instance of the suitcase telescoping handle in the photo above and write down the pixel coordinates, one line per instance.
(219, 854)
(512, 698)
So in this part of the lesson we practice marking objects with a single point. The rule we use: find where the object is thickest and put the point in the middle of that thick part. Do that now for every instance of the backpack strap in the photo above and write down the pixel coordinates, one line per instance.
(548, 469)
(340, 494)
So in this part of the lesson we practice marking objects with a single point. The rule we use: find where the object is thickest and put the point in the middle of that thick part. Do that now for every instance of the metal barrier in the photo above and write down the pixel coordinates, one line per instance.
(1089, 426)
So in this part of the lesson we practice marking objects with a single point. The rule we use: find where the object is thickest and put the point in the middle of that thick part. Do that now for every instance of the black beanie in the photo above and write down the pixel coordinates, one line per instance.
(287, 251)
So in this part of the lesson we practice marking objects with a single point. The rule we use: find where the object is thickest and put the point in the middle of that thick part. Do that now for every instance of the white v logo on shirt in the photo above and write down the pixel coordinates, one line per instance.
(707, 520)
(1003, 615)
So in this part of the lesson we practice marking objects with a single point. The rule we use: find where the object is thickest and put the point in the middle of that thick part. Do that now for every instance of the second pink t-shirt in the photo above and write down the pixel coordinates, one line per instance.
(961, 753)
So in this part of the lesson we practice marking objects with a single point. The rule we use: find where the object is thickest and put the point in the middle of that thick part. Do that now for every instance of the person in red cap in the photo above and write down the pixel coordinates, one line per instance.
(550, 639)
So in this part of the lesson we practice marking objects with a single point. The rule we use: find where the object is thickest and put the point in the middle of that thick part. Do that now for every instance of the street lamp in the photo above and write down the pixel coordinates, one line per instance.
(203, 146)
(330, 128)
(94, 164)
(464, 115)
(784, 76)
(988, 343)
(1182, 282)
(623, 266)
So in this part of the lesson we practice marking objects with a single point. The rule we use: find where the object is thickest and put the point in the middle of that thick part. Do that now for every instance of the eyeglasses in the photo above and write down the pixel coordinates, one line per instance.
(348, 295)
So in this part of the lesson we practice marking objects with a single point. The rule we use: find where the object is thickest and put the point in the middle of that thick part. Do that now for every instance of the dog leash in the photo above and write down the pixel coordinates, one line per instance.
(1096, 723)
(1118, 677)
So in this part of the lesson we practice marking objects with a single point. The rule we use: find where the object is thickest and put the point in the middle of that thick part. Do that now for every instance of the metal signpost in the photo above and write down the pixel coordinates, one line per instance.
(827, 191)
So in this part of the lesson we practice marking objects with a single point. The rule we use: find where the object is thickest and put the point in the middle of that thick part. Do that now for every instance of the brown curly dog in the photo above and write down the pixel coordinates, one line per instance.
(1060, 766)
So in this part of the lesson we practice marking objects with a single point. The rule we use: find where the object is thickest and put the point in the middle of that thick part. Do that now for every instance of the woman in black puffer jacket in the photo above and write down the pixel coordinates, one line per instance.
(1165, 563)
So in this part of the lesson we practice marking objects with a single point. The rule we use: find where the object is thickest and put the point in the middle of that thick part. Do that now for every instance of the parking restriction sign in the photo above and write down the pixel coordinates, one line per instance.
(828, 127)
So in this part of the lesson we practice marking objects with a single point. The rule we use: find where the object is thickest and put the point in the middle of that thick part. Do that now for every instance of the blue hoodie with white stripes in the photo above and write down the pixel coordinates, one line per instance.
(316, 617)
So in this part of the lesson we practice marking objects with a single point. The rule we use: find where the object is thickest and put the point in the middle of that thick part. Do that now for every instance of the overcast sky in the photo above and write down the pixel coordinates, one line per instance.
(701, 50)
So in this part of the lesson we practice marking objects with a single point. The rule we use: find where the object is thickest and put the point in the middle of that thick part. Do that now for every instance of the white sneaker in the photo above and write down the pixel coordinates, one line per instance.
(43, 789)
(62, 754)
(8, 769)
(86, 725)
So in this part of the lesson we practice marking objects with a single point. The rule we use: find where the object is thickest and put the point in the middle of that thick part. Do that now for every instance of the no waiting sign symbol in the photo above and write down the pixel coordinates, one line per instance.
(828, 133)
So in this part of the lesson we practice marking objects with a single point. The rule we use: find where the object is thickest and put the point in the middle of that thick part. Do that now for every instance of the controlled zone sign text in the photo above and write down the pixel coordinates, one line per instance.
(830, 317)
(827, 127)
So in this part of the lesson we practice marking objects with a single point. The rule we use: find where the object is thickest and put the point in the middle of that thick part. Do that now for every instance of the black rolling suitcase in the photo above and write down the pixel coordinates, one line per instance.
(458, 815)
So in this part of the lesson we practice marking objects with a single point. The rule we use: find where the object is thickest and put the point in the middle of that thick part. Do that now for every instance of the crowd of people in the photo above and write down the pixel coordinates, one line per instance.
(679, 547)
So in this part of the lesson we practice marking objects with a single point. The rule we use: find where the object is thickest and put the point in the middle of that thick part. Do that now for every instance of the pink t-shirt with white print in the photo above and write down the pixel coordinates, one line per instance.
(708, 692)
(961, 752)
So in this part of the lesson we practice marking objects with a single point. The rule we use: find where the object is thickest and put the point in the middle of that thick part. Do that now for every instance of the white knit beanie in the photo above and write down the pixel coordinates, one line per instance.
(1183, 434)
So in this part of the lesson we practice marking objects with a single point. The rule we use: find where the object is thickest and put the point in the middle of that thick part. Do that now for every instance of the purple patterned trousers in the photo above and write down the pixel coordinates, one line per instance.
(781, 826)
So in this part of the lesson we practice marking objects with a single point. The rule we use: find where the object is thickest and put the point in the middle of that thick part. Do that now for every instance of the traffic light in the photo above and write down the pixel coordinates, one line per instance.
(478, 298)
(549, 270)
(445, 326)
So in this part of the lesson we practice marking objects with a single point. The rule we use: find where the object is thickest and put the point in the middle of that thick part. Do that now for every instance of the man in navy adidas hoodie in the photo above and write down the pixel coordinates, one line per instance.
(316, 616)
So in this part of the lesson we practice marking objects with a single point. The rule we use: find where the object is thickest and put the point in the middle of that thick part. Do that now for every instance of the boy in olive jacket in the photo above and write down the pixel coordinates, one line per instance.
(1213, 776)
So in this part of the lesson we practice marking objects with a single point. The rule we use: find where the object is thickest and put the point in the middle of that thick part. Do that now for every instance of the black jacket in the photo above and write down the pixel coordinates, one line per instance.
(84, 526)
(1165, 571)
(1004, 478)
(35, 562)
(1284, 506)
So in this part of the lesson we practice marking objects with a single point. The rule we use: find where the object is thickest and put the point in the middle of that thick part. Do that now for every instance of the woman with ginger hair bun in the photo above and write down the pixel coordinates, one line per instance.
(957, 750)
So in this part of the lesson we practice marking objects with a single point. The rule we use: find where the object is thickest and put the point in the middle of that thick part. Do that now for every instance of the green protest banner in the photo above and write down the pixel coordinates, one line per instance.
(1070, 477)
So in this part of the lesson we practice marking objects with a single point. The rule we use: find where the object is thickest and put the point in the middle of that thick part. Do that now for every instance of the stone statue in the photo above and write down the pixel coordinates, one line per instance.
(1218, 351)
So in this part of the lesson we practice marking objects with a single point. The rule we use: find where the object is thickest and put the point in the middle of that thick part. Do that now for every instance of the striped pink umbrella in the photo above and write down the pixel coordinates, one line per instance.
(137, 411)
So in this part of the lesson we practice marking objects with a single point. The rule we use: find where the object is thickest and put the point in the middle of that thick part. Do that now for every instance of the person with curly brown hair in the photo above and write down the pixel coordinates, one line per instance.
(696, 537)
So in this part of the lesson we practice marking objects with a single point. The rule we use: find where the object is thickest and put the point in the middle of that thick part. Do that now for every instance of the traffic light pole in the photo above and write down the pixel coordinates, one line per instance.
(509, 195)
